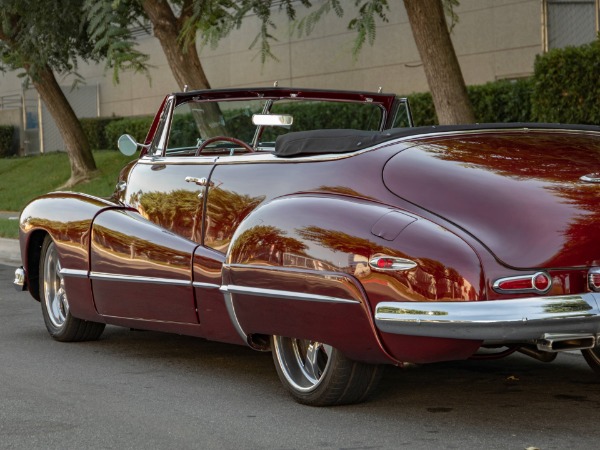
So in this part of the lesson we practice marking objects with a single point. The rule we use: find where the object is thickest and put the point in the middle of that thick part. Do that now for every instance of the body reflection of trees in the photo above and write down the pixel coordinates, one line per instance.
(225, 211)
(179, 211)
(265, 244)
(559, 160)
(430, 279)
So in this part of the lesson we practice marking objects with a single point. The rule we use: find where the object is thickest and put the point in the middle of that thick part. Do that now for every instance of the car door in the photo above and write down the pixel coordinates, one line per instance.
(141, 257)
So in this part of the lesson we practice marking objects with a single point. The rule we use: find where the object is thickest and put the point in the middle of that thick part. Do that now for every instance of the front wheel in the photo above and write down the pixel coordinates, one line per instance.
(317, 374)
(61, 325)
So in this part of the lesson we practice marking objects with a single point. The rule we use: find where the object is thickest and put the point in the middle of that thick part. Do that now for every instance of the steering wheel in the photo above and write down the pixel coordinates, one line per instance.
(224, 139)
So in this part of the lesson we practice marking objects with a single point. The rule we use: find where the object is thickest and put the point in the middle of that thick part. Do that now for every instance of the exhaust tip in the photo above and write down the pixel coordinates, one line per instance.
(566, 342)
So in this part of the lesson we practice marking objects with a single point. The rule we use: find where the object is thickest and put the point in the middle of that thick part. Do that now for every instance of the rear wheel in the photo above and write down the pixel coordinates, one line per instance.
(61, 325)
(592, 356)
(319, 375)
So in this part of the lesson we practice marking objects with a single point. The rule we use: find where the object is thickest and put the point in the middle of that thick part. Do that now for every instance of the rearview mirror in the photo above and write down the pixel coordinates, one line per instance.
(273, 120)
(127, 145)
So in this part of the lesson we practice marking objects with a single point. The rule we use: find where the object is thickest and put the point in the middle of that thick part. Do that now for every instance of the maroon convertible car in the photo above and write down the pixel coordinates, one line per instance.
(324, 227)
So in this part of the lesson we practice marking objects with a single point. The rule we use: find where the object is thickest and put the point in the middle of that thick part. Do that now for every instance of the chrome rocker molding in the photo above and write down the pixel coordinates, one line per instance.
(494, 320)
(288, 295)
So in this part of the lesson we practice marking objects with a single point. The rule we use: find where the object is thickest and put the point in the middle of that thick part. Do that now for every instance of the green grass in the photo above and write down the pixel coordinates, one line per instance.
(9, 228)
(23, 179)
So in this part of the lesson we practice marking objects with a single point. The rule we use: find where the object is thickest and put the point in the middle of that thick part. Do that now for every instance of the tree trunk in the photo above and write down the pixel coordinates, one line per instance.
(440, 63)
(183, 61)
(81, 159)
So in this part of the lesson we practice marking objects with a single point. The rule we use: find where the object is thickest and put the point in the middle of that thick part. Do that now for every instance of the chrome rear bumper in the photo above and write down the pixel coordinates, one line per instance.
(19, 283)
(496, 320)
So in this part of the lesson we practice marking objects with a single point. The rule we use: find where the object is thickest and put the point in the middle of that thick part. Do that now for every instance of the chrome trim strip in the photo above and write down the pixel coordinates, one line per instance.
(502, 320)
(138, 279)
(591, 178)
(232, 316)
(200, 285)
(288, 295)
(75, 273)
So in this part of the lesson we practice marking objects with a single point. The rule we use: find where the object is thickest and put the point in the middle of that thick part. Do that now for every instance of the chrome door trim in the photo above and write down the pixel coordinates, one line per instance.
(137, 279)
(287, 295)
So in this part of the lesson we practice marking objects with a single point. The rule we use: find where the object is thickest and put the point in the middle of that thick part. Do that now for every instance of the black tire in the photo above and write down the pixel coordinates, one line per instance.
(317, 374)
(61, 325)
(592, 357)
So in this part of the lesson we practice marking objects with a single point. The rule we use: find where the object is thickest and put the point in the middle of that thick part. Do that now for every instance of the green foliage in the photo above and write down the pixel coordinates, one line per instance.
(110, 24)
(49, 33)
(566, 88)
(502, 101)
(423, 111)
(135, 126)
(7, 138)
(95, 131)
(497, 101)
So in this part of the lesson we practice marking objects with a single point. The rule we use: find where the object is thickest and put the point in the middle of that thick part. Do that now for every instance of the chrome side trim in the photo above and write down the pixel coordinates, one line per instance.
(138, 279)
(288, 295)
(232, 316)
(494, 320)
(200, 285)
(74, 273)
(19, 282)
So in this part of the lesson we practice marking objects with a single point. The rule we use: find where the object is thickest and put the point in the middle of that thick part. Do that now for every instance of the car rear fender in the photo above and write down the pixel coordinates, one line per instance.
(298, 266)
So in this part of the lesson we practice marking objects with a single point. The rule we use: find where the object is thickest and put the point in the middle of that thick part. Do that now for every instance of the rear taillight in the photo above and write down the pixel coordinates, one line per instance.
(594, 279)
(384, 262)
(538, 283)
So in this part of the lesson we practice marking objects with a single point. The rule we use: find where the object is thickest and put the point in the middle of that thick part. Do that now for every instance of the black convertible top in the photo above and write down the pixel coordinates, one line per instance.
(318, 142)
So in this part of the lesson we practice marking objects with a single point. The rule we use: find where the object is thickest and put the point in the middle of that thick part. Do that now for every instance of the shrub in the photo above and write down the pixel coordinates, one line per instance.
(7, 141)
(136, 126)
(566, 88)
(95, 130)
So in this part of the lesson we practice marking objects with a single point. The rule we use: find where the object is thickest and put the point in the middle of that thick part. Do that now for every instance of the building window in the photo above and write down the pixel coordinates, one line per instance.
(569, 22)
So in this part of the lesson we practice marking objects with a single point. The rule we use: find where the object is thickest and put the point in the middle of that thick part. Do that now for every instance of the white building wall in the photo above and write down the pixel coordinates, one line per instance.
(494, 39)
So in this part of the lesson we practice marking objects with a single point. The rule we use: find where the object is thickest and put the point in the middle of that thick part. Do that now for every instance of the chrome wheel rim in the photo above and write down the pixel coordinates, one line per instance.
(55, 297)
(303, 363)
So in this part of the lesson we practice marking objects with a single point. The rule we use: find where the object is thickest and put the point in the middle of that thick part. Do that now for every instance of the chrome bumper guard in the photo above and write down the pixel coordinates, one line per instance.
(495, 320)
(19, 282)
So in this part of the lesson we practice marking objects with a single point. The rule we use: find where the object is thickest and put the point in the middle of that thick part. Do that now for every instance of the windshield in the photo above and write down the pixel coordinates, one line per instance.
(196, 121)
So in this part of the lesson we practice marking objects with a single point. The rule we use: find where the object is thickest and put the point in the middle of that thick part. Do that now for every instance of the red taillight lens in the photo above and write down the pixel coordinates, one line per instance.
(536, 283)
(541, 282)
(594, 279)
(384, 262)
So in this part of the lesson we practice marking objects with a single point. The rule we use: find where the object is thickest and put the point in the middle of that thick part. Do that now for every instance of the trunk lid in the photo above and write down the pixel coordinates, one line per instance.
(518, 192)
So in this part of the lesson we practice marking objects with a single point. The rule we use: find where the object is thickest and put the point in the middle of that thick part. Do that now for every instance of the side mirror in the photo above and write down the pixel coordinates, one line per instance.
(127, 145)
(273, 120)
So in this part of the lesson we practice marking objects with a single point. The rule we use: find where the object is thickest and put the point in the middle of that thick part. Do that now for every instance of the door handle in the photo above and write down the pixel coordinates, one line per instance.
(199, 181)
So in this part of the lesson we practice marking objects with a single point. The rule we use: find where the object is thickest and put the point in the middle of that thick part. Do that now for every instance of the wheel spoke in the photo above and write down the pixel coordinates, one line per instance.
(55, 295)
(311, 362)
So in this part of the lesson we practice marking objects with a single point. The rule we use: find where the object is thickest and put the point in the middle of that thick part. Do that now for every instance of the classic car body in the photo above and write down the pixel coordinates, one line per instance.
(340, 247)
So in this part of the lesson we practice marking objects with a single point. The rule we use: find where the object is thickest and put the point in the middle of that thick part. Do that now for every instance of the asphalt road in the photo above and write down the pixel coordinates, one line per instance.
(151, 390)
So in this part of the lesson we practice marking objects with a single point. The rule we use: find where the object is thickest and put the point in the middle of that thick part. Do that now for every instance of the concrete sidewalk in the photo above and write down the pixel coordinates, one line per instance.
(10, 254)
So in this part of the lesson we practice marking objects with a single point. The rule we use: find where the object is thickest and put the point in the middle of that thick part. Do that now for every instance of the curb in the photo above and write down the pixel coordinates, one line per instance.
(10, 252)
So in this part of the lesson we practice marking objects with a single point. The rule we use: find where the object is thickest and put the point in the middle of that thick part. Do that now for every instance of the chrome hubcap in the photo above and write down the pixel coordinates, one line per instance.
(303, 362)
(55, 296)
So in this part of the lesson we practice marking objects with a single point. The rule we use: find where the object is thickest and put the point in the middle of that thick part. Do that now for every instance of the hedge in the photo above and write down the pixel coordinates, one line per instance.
(7, 141)
(497, 101)
(136, 126)
(94, 129)
(566, 85)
